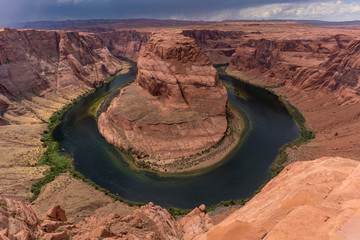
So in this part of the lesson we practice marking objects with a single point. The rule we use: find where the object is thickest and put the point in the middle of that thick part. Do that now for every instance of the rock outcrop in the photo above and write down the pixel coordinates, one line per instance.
(175, 108)
(195, 223)
(317, 70)
(307, 200)
(18, 221)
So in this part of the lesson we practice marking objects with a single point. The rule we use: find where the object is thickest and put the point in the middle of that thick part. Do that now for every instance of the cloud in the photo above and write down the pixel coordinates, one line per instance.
(42, 10)
(329, 10)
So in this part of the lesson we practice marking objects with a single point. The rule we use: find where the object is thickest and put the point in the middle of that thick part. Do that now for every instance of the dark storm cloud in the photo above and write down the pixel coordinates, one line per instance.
(35, 10)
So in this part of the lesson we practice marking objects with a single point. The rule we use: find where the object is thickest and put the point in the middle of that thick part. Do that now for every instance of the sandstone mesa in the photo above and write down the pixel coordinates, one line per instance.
(178, 92)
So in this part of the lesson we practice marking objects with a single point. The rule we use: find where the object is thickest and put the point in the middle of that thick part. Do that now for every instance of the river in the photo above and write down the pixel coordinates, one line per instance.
(238, 177)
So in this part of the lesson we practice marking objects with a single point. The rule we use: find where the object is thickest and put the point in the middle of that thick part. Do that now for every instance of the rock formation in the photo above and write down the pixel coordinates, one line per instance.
(175, 108)
(18, 221)
(306, 63)
(125, 43)
(33, 61)
(218, 45)
(40, 72)
(316, 69)
(307, 200)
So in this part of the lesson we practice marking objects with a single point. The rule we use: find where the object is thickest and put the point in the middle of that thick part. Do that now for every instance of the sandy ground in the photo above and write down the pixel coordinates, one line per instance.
(78, 199)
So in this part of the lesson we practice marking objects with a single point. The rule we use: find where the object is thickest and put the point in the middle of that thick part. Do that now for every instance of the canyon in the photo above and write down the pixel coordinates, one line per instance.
(176, 91)
(313, 68)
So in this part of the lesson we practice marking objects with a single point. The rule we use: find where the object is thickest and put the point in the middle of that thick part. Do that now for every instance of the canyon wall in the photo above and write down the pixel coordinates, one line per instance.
(125, 43)
(218, 45)
(40, 72)
(306, 63)
(316, 70)
(175, 108)
(33, 63)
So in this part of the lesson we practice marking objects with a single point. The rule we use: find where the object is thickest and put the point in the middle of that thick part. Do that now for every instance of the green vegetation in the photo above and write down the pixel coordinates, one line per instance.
(178, 212)
(306, 134)
(241, 202)
(278, 165)
(58, 162)
(227, 204)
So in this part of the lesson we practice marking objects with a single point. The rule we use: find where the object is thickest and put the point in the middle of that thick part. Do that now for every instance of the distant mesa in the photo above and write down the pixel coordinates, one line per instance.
(175, 108)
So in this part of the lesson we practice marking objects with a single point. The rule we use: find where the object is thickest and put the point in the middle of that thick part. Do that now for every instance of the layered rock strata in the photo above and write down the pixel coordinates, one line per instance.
(33, 63)
(218, 45)
(18, 221)
(175, 108)
(40, 72)
(125, 43)
(318, 74)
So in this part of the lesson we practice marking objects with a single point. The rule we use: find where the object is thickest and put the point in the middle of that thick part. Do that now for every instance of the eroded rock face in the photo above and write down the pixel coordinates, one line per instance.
(18, 221)
(307, 200)
(64, 63)
(40, 72)
(32, 61)
(218, 45)
(125, 43)
(318, 73)
(330, 63)
(175, 108)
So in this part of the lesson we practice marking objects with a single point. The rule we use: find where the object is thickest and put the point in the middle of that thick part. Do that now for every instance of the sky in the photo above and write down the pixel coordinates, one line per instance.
(13, 11)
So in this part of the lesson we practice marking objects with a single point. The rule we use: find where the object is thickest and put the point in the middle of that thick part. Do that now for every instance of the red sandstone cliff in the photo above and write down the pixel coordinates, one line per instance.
(64, 63)
(328, 62)
(175, 108)
(40, 72)
(318, 74)
(218, 45)
(125, 43)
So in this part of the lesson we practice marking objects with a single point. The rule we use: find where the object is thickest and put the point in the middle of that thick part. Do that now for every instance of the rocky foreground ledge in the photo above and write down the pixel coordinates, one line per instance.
(308, 200)
(18, 221)
(175, 108)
